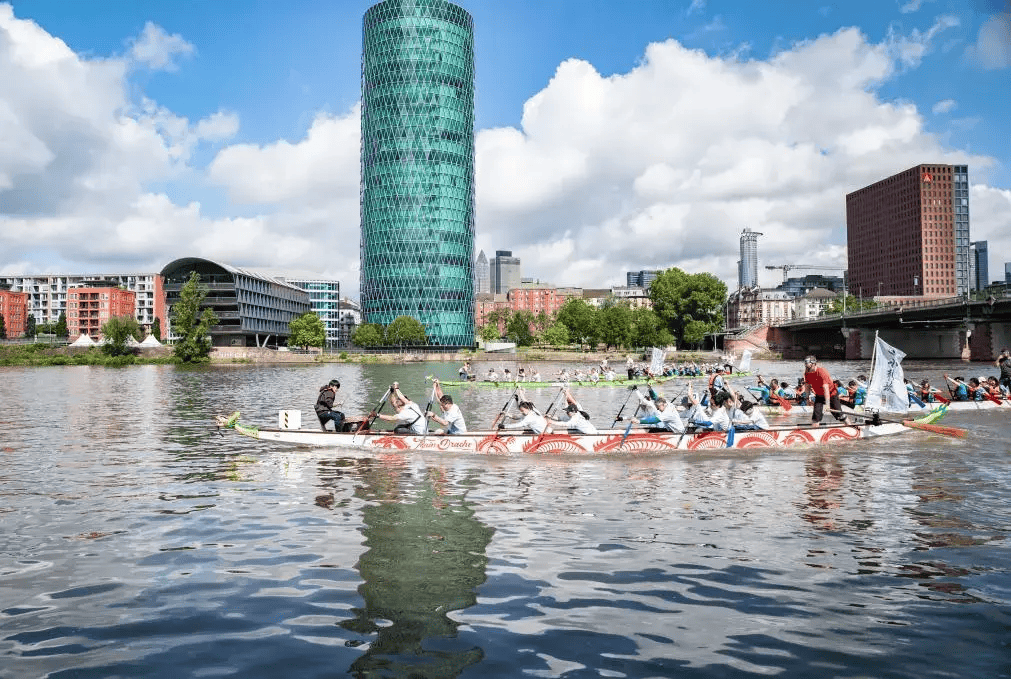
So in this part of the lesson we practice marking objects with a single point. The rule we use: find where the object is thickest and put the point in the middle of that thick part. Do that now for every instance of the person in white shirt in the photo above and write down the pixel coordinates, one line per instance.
(716, 418)
(452, 418)
(578, 419)
(492, 375)
(753, 417)
(528, 419)
(409, 418)
(665, 413)
(535, 376)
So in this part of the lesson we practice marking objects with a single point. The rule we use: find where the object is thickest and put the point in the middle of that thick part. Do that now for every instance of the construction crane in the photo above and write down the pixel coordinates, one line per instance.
(786, 268)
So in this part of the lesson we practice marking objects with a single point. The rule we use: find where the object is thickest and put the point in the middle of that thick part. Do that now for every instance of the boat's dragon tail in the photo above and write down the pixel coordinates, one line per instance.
(232, 422)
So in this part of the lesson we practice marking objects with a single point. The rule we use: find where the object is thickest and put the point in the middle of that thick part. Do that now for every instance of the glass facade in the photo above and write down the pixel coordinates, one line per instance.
(960, 195)
(417, 167)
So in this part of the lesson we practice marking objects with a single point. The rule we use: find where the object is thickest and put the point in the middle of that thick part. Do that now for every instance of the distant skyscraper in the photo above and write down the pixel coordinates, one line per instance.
(1007, 272)
(482, 276)
(979, 264)
(641, 279)
(747, 267)
(908, 234)
(417, 166)
(504, 270)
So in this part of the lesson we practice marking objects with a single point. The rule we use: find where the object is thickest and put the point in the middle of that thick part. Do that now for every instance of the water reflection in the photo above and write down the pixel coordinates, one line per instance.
(426, 557)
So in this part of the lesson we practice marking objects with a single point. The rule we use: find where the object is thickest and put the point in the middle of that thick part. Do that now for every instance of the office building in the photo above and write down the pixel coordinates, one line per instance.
(797, 286)
(92, 303)
(641, 279)
(747, 266)
(979, 265)
(1007, 272)
(482, 275)
(417, 165)
(504, 272)
(324, 301)
(909, 234)
(253, 309)
(47, 294)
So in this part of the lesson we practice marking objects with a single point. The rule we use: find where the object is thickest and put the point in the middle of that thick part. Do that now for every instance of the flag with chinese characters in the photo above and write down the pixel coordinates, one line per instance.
(745, 364)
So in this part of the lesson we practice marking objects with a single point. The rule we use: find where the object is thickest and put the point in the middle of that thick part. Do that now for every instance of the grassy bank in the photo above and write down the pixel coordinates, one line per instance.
(46, 354)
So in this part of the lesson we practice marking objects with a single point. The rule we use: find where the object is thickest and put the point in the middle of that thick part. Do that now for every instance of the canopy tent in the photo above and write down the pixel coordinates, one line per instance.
(150, 341)
(83, 341)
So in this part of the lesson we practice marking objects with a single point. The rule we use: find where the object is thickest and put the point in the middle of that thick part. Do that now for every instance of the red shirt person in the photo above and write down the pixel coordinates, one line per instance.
(824, 391)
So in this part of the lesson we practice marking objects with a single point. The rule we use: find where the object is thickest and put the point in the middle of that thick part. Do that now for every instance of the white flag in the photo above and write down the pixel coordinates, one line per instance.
(887, 390)
(745, 364)
(656, 361)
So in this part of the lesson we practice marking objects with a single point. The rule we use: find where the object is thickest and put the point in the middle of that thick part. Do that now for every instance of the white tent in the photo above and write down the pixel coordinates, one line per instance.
(150, 341)
(83, 341)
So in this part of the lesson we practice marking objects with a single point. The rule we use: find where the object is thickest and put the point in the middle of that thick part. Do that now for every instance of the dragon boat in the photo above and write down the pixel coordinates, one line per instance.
(620, 382)
(914, 408)
(614, 441)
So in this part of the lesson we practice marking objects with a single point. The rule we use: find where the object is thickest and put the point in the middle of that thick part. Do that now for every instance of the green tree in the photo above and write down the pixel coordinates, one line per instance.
(367, 335)
(3, 327)
(156, 328)
(405, 330)
(499, 318)
(192, 324)
(696, 331)
(117, 331)
(518, 328)
(488, 332)
(680, 298)
(61, 325)
(306, 331)
(556, 334)
(852, 304)
(541, 322)
(581, 320)
(648, 329)
(615, 325)
(30, 325)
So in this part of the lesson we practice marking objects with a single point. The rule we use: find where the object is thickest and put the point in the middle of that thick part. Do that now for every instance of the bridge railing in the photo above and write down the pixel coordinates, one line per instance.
(889, 308)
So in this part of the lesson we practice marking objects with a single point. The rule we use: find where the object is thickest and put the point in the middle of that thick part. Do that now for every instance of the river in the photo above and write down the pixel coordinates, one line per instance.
(138, 541)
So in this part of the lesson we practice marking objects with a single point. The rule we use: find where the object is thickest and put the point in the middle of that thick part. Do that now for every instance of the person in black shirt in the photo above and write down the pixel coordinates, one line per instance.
(325, 406)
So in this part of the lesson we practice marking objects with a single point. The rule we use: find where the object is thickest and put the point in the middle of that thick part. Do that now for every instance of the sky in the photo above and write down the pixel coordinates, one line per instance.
(610, 136)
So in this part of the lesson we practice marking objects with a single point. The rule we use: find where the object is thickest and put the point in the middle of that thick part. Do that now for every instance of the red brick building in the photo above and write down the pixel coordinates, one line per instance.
(14, 309)
(89, 307)
(534, 300)
(909, 234)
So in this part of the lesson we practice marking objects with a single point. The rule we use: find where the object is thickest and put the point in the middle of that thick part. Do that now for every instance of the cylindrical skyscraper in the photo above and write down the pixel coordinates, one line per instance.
(417, 190)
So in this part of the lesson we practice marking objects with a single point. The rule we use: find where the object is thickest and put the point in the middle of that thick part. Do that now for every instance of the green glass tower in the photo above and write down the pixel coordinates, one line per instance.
(417, 192)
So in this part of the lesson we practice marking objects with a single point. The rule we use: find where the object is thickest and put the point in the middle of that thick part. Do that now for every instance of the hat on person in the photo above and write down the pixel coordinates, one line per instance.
(335, 383)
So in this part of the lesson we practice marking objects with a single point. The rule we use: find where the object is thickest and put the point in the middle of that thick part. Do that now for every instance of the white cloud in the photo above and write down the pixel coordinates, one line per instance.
(910, 49)
(158, 50)
(990, 212)
(661, 166)
(944, 106)
(697, 7)
(910, 6)
(993, 44)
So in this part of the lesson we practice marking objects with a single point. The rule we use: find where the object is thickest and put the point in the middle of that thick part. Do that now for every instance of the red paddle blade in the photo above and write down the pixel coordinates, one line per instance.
(941, 398)
(783, 402)
(937, 428)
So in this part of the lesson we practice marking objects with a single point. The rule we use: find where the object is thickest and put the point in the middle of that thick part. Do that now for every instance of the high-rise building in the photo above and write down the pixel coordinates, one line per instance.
(482, 277)
(747, 267)
(641, 279)
(14, 309)
(979, 265)
(417, 167)
(504, 271)
(324, 301)
(909, 234)
(1007, 272)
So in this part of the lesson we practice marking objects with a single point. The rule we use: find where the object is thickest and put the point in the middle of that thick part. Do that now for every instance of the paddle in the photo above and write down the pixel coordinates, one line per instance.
(617, 418)
(547, 413)
(428, 408)
(375, 412)
(730, 436)
(944, 430)
(494, 423)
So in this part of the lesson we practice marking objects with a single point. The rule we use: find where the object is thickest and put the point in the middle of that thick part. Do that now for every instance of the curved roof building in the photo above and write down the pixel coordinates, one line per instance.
(417, 167)
(253, 309)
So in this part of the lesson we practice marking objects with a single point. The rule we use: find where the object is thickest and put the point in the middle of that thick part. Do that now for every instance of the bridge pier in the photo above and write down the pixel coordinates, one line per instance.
(987, 339)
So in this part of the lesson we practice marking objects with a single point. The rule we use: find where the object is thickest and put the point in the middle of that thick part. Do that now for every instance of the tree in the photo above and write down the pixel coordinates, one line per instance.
(499, 318)
(405, 330)
(852, 304)
(367, 335)
(61, 325)
(3, 327)
(696, 331)
(117, 331)
(156, 328)
(615, 325)
(680, 298)
(581, 320)
(648, 330)
(191, 324)
(488, 332)
(307, 331)
(556, 334)
(518, 328)
(30, 326)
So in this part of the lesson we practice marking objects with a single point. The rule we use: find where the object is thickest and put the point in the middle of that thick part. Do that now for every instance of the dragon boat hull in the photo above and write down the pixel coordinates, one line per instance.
(914, 410)
(637, 442)
(635, 381)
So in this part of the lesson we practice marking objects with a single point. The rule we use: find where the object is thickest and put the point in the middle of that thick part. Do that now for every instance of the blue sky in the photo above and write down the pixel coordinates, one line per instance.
(233, 92)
